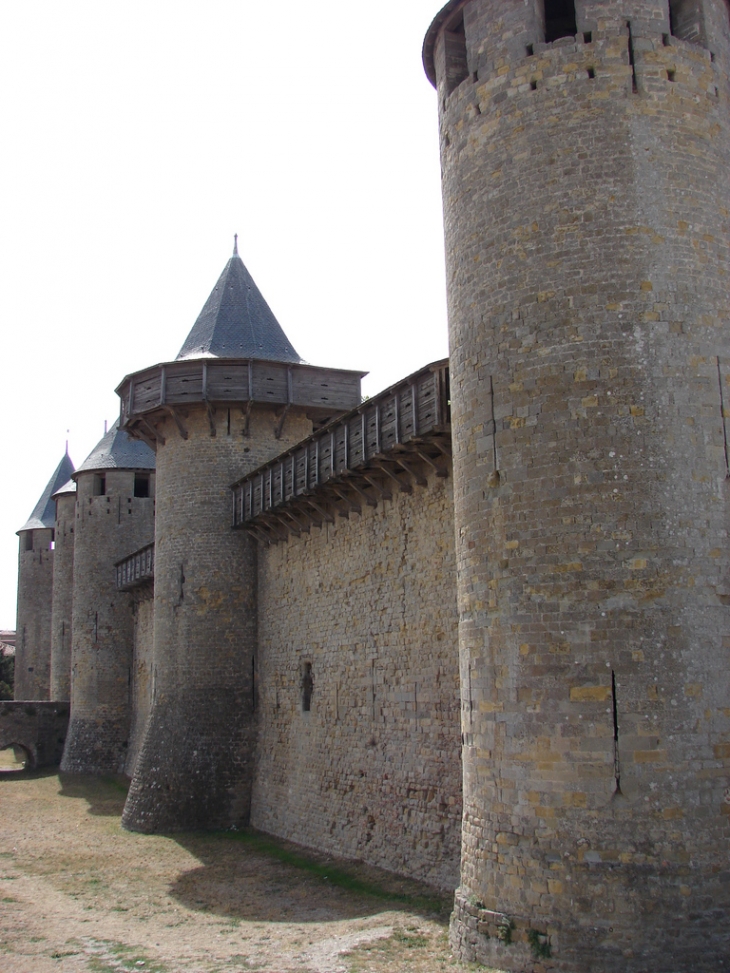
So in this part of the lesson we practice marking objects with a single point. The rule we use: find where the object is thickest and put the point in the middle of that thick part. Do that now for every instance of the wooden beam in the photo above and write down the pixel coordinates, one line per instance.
(313, 503)
(385, 494)
(178, 421)
(152, 430)
(418, 477)
(361, 493)
(350, 503)
(403, 487)
(247, 418)
(211, 417)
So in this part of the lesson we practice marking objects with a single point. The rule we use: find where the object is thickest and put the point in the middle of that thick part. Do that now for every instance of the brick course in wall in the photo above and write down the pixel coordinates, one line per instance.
(362, 614)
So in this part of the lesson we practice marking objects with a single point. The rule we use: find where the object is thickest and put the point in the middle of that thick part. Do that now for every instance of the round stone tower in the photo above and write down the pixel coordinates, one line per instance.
(114, 517)
(62, 601)
(35, 592)
(236, 396)
(587, 217)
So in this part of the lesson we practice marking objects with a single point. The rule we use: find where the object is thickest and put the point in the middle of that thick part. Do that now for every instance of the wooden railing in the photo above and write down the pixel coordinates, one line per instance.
(182, 383)
(367, 450)
(136, 569)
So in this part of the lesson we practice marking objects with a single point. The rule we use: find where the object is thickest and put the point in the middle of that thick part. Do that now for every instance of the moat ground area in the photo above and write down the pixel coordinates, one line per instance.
(78, 894)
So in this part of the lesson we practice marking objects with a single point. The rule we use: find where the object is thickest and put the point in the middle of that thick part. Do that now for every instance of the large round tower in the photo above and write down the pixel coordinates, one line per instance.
(62, 601)
(35, 592)
(236, 396)
(585, 149)
(114, 517)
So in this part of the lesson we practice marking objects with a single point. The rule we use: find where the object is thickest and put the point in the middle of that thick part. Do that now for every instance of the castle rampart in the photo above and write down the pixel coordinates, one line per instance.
(587, 227)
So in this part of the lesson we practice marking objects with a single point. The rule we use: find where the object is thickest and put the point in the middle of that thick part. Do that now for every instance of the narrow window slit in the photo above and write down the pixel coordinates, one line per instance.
(587, 37)
(533, 85)
(591, 73)
(724, 419)
(307, 687)
(530, 49)
(671, 76)
(632, 59)
(616, 761)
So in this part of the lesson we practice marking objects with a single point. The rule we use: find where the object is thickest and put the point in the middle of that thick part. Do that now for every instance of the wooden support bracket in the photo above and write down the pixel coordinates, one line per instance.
(178, 421)
(152, 430)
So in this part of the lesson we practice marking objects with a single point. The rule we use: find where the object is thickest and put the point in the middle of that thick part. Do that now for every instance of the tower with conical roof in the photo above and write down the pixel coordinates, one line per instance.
(114, 516)
(35, 592)
(237, 395)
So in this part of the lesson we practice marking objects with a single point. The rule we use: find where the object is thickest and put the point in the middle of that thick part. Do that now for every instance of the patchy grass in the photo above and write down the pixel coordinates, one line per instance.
(339, 875)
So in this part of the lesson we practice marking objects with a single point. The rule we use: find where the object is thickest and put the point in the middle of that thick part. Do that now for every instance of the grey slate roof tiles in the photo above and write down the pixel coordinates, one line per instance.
(116, 451)
(44, 512)
(236, 322)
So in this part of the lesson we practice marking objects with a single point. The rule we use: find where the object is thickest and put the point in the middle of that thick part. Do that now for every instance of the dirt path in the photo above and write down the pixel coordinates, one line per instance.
(80, 895)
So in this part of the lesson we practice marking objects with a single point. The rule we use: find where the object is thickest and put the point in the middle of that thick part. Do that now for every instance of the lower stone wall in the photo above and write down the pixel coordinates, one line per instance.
(361, 617)
(38, 727)
(142, 672)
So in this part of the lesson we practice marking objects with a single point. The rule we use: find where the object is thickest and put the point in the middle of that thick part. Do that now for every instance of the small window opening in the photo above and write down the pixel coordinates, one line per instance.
(560, 19)
(587, 37)
(99, 485)
(29, 541)
(307, 687)
(671, 75)
(685, 20)
(591, 73)
(533, 85)
(141, 484)
(530, 49)
(665, 40)
(457, 69)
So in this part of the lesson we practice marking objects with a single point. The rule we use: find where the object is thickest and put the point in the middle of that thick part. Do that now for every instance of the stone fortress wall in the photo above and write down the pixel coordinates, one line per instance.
(357, 693)
(576, 552)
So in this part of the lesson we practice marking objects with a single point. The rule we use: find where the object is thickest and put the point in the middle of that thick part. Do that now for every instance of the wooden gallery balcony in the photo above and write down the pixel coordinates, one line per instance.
(387, 443)
(136, 569)
(169, 389)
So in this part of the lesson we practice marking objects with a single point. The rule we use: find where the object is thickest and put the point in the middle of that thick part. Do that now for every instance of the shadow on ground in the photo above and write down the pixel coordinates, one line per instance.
(104, 795)
(250, 876)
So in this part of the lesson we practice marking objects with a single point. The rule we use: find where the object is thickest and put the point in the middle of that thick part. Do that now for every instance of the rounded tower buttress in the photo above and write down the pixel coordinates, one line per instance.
(587, 223)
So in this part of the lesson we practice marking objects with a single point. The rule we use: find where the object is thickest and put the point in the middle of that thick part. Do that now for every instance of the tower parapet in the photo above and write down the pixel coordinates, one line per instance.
(35, 592)
(237, 395)
(587, 229)
(114, 516)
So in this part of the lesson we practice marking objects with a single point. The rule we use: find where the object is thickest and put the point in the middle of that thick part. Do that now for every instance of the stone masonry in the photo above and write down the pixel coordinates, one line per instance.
(587, 220)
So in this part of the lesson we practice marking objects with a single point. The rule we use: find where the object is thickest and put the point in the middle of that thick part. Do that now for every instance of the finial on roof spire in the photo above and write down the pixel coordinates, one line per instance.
(235, 244)
(67, 432)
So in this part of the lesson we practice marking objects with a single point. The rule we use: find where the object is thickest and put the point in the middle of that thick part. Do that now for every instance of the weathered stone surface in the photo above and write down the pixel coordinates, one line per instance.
(62, 598)
(35, 586)
(195, 767)
(364, 610)
(108, 527)
(587, 227)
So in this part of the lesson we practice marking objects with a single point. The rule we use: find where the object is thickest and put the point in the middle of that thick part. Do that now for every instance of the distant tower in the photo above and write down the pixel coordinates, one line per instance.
(114, 516)
(35, 592)
(237, 395)
(585, 149)
(62, 602)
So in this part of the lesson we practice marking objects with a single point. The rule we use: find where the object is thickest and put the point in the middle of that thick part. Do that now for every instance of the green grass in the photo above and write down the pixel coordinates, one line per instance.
(335, 875)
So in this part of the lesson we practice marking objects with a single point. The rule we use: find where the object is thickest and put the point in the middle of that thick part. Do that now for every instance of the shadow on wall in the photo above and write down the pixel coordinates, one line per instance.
(250, 876)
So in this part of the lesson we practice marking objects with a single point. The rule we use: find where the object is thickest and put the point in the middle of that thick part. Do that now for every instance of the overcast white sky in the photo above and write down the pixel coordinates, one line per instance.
(138, 137)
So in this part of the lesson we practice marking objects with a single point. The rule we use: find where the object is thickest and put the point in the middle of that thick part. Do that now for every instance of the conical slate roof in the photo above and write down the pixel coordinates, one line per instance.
(236, 322)
(68, 489)
(44, 514)
(116, 451)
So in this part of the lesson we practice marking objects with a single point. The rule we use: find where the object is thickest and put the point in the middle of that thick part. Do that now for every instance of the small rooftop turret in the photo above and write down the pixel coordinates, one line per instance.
(116, 451)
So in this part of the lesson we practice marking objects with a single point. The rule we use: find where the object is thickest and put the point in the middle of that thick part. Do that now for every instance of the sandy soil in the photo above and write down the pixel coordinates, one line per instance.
(79, 894)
